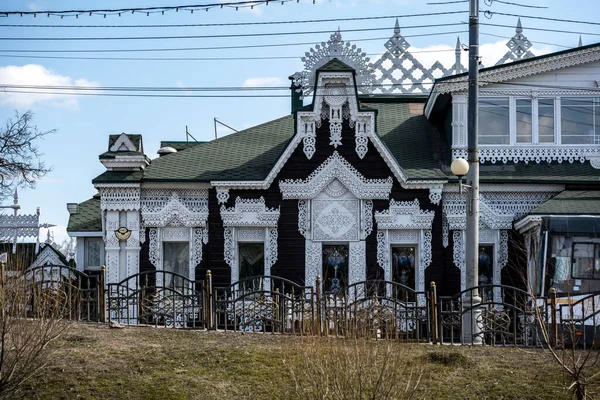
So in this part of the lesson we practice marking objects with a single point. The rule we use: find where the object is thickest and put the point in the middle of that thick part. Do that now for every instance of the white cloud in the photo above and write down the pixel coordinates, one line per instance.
(33, 7)
(38, 75)
(268, 81)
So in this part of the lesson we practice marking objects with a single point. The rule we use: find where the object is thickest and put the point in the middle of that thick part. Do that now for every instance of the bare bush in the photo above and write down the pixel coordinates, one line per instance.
(31, 316)
(352, 369)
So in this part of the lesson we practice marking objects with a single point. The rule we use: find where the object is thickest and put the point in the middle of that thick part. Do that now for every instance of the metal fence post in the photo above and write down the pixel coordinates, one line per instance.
(208, 306)
(101, 294)
(554, 326)
(318, 291)
(434, 320)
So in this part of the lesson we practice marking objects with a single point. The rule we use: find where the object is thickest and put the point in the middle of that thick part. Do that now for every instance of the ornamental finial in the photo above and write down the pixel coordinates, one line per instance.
(580, 42)
(518, 47)
(397, 28)
(324, 52)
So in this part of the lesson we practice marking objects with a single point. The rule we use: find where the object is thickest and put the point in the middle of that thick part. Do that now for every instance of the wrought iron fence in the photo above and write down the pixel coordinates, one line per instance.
(265, 304)
(159, 298)
(502, 315)
(78, 295)
(377, 309)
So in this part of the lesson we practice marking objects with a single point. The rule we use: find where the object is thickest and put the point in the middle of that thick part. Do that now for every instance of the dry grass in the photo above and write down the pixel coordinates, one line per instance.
(148, 363)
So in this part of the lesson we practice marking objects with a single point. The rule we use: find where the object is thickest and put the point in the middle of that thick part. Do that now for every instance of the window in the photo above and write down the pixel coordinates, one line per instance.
(524, 122)
(176, 259)
(494, 120)
(403, 265)
(93, 257)
(586, 261)
(546, 121)
(486, 270)
(252, 259)
(580, 120)
(335, 268)
(533, 121)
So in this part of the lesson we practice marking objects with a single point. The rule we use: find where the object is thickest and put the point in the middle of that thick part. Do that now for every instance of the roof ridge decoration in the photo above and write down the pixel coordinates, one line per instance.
(398, 55)
(518, 47)
(324, 52)
(397, 69)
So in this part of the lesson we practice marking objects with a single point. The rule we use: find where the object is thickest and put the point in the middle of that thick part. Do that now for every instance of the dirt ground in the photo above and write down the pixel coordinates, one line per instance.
(92, 361)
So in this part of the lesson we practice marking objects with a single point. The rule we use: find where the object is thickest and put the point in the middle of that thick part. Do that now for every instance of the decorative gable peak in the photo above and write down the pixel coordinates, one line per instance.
(125, 153)
(125, 142)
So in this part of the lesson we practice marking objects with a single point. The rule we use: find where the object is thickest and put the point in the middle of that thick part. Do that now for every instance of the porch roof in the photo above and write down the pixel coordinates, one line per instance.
(571, 202)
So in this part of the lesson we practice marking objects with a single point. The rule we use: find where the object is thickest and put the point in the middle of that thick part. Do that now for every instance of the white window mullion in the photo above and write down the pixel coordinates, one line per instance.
(557, 121)
(534, 121)
(512, 116)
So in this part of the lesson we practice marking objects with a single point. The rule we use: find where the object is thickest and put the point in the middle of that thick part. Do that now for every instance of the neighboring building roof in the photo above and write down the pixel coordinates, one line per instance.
(43, 257)
(87, 218)
(571, 202)
(179, 145)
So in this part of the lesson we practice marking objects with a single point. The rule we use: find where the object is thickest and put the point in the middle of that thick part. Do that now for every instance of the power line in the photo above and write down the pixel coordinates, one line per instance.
(230, 35)
(536, 42)
(145, 10)
(491, 2)
(236, 23)
(250, 46)
(541, 29)
(265, 58)
(182, 89)
(489, 14)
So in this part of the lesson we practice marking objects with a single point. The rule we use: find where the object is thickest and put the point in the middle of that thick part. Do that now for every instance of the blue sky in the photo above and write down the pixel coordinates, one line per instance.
(84, 123)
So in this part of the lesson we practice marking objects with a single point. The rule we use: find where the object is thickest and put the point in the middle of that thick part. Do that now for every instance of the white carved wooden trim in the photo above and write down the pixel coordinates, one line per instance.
(336, 168)
(313, 262)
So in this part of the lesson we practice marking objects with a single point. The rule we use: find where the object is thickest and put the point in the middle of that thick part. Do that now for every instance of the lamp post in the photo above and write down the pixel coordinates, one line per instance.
(471, 299)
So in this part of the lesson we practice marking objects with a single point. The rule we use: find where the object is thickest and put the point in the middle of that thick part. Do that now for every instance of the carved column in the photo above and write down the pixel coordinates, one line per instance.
(112, 247)
(313, 262)
(133, 243)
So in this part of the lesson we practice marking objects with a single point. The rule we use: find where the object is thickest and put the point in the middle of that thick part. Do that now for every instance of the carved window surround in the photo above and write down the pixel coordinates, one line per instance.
(404, 223)
(496, 237)
(194, 236)
(250, 220)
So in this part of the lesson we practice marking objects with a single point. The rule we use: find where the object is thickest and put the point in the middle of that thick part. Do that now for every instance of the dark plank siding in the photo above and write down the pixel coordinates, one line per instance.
(290, 263)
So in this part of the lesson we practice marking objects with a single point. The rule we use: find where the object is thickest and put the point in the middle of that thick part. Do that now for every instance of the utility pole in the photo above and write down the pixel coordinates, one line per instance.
(471, 300)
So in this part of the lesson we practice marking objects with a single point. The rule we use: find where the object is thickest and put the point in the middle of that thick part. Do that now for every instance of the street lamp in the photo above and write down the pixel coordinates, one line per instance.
(460, 167)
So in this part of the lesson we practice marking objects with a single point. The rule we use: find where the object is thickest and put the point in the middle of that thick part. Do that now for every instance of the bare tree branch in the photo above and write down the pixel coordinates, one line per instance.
(20, 158)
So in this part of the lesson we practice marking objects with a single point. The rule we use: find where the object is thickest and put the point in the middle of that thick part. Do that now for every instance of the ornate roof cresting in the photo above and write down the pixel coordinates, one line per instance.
(347, 53)
(518, 46)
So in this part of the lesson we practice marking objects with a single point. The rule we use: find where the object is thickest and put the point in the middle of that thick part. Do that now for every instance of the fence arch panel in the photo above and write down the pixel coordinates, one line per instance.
(159, 298)
(505, 316)
(265, 304)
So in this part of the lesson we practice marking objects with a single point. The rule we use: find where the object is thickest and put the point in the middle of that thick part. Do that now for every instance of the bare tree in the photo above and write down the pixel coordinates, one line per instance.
(20, 163)
(31, 317)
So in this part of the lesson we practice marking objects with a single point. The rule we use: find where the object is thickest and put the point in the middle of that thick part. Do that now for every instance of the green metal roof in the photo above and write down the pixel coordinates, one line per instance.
(87, 218)
(571, 202)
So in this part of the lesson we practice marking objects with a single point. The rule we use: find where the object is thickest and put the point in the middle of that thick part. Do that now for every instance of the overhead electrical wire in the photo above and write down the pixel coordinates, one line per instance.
(145, 10)
(249, 46)
(541, 29)
(265, 58)
(228, 35)
(491, 13)
(537, 41)
(307, 21)
(491, 2)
